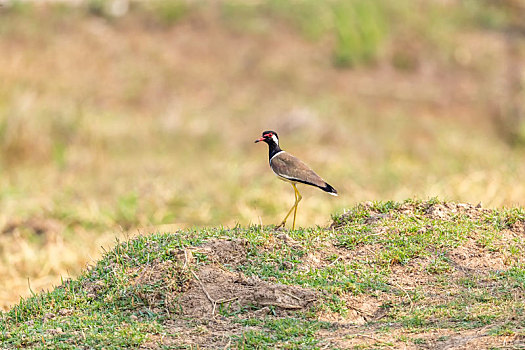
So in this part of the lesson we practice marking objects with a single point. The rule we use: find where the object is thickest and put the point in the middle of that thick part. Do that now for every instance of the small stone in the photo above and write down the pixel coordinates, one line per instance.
(262, 312)
(57, 330)
(49, 316)
(288, 265)
(133, 317)
(64, 312)
(436, 211)
(283, 236)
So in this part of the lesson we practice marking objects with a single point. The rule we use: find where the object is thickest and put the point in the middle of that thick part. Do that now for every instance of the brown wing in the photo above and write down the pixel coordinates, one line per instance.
(292, 168)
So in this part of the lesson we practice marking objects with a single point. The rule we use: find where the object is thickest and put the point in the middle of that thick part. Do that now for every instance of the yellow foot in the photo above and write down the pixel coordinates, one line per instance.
(281, 225)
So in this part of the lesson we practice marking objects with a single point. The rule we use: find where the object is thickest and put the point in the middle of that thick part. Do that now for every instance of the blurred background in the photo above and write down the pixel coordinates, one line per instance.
(116, 116)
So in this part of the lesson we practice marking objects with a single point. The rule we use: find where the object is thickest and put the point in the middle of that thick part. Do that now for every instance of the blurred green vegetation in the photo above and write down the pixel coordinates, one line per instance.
(116, 120)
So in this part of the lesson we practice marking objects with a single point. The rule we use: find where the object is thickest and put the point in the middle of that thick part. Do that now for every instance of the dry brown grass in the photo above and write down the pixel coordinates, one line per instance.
(109, 125)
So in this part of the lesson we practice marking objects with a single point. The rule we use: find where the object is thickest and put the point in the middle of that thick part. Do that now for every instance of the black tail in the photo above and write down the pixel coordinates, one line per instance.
(329, 189)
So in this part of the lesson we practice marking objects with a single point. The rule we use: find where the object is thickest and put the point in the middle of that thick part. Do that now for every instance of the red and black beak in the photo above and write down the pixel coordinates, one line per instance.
(261, 139)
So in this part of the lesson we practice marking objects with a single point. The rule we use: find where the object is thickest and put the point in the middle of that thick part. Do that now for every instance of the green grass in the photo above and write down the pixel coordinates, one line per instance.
(133, 293)
(361, 29)
(293, 333)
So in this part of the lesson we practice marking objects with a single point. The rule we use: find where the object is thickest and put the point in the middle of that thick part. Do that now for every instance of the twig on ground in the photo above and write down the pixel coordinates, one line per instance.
(336, 260)
(366, 336)
(203, 289)
(211, 300)
(293, 296)
(361, 311)
(282, 306)
(221, 301)
(406, 293)
(185, 259)
(372, 253)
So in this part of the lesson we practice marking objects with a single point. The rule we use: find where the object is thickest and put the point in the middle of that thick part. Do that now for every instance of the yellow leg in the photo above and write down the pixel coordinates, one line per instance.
(294, 206)
(298, 198)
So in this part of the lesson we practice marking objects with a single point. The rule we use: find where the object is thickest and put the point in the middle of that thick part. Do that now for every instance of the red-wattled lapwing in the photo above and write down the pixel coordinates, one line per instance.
(291, 169)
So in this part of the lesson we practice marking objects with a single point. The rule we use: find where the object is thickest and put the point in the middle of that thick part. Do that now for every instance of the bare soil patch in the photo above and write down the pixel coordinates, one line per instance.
(423, 288)
(442, 339)
(236, 291)
(226, 252)
(212, 333)
(200, 295)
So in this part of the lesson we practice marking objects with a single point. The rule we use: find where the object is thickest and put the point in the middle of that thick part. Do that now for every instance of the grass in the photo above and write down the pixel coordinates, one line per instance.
(293, 332)
(135, 121)
(136, 291)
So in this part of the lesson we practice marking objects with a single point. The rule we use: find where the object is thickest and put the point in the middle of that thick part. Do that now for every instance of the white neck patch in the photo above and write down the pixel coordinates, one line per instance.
(275, 139)
(276, 154)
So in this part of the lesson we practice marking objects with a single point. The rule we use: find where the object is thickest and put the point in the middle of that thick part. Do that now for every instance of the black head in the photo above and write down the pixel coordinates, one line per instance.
(270, 137)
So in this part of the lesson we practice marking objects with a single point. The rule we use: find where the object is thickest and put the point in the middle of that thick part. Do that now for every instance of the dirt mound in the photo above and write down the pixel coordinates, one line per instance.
(186, 286)
(215, 288)
(205, 293)
(447, 211)
(440, 211)
(210, 303)
(227, 252)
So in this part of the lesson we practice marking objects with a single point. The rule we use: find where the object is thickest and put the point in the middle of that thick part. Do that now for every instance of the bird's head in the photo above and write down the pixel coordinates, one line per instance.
(270, 137)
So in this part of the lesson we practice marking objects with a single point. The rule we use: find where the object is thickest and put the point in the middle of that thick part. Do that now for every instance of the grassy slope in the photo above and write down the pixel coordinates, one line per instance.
(122, 120)
(416, 273)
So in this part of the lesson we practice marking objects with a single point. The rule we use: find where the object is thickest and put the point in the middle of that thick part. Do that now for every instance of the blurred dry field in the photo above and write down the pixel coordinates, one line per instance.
(109, 125)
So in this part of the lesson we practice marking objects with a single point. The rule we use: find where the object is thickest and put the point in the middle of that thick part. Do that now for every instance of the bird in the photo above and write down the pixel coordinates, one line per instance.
(291, 169)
